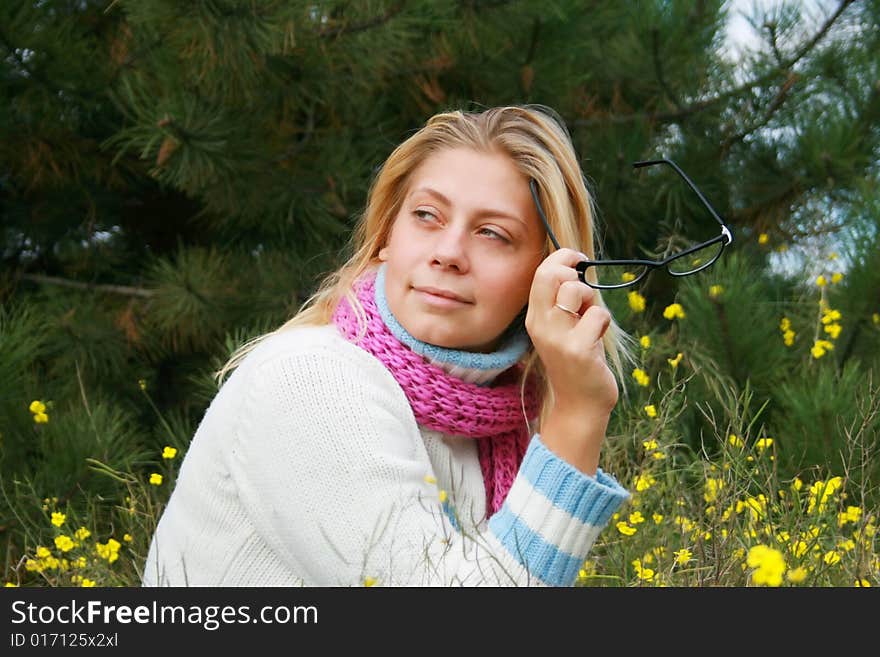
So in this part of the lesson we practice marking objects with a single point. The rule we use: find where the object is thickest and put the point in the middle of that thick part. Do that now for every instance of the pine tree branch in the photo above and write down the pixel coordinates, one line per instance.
(333, 32)
(775, 104)
(113, 289)
(699, 106)
(134, 57)
(31, 72)
(658, 68)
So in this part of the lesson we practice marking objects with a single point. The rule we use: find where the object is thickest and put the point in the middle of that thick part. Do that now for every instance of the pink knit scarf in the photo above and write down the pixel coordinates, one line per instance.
(442, 402)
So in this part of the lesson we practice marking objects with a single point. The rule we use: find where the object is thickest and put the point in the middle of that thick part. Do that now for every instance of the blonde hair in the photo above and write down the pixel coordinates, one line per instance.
(536, 140)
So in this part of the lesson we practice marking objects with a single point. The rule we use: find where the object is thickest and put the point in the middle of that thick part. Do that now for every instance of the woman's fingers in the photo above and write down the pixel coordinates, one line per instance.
(593, 324)
(575, 295)
(556, 269)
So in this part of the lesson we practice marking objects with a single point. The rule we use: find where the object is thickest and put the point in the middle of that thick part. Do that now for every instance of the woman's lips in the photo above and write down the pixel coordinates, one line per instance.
(439, 298)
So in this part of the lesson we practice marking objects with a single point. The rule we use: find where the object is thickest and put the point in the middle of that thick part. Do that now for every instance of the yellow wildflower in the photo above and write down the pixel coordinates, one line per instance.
(756, 506)
(642, 573)
(829, 315)
(636, 517)
(673, 362)
(831, 557)
(796, 575)
(87, 583)
(862, 582)
(142, 384)
(58, 518)
(821, 281)
(587, 569)
(683, 557)
(833, 330)
(156, 479)
(370, 581)
(788, 337)
(625, 529)
(650, 444)
(836, 277)
(169, 452)
(820, 491)
(715, 291)
(763, 443)
(645, 341)
(37, 407)
(736, 441)
(10, 585)
(712, 486)
(646, 574)
(636, 301)
(626, 277)
(64, 543)
(686, 524)
(443, 496)
(852, 514)
(644, 482)
(763, 238)
(674, 311)
(82, 534)
(769, 565)
(430, 479)
(108, 550)
(651, 410)
(820, 347)
(657, 518)
(127, 538)
(641, 377)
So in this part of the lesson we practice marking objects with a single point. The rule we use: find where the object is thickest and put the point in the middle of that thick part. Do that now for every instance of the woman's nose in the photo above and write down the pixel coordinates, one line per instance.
(450, 248)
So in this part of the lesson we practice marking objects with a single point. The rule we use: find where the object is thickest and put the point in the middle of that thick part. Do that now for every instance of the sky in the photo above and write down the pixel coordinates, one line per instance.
(742, 35)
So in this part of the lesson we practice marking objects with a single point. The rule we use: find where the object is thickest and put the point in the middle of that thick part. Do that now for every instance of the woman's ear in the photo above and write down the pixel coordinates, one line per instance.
(383, 253)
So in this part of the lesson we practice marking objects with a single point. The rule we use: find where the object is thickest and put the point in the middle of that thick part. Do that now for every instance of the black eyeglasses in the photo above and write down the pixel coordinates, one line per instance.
(612, 274)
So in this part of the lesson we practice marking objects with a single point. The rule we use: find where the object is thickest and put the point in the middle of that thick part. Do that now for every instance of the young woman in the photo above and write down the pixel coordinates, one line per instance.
(434, 414)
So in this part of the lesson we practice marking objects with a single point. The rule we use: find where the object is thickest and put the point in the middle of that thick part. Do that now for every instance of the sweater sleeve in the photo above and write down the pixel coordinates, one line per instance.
(334, 474)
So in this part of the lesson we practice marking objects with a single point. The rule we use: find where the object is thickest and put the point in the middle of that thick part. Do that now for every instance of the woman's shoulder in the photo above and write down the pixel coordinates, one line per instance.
(315, 361)
(323, 343)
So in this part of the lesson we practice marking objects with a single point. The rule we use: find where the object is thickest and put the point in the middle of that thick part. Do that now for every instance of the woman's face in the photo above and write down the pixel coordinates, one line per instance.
(463, 250)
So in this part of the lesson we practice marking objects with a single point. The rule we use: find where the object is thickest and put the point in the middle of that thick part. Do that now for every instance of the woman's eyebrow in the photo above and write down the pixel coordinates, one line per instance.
(484, 211)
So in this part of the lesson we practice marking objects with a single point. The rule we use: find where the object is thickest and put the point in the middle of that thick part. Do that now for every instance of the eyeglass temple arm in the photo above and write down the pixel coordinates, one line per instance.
(724, 229)
(533, 186)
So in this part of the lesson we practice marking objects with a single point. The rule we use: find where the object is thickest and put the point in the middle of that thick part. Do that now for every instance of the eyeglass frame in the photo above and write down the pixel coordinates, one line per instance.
(726, 237)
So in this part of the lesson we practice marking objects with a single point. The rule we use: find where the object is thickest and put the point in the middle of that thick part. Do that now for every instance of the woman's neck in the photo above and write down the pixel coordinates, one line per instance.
(470, 366)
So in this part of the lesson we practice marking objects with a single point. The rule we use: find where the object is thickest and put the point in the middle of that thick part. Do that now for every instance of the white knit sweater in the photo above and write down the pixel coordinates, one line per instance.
(308, 468)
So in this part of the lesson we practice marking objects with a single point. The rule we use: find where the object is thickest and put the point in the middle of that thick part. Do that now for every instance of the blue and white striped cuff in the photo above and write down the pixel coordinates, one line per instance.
(554, 513)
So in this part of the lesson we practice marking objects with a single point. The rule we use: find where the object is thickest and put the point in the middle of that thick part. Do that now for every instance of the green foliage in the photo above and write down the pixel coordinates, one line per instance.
(818, 411)
(176, 178)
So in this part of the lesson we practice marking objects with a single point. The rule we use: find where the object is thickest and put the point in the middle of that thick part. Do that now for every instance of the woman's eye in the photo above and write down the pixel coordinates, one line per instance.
(424, 215)
(491, 233)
